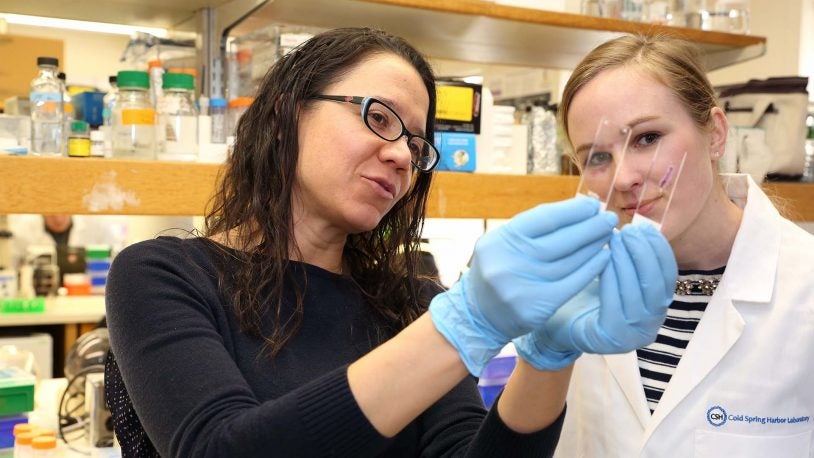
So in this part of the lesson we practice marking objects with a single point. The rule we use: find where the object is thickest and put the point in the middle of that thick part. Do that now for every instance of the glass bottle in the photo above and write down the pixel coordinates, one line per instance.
(133, 117)
(178, 119)
(46, 109)
(808, 167)
(79, 139)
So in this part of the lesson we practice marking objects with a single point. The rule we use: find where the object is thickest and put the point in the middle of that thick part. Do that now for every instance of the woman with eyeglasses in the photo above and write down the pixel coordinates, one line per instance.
(298, 325)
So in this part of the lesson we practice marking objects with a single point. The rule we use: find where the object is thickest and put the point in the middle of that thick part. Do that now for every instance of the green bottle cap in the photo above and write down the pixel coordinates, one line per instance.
(133, 78)
(178, 81)
(79, 126)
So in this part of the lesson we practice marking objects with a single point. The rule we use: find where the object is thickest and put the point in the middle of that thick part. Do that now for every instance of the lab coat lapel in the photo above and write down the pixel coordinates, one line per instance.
(719, 329)
(625, 369)
(752, 267)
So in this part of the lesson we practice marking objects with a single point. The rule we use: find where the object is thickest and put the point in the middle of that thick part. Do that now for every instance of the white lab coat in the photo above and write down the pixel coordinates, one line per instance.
(745, 385)
(28, 230)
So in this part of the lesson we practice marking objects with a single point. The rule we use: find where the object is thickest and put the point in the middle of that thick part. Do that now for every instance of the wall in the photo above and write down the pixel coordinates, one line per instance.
(89, 57)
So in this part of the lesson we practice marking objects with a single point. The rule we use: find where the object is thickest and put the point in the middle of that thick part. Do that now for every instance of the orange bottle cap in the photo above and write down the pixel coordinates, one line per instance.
(44, 442)
(24, 438)
(240, 102)
(39, 432)
(154, 63)
(22, 428)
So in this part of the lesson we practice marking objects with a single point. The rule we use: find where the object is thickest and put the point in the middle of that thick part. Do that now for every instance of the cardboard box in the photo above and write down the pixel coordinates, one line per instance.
(458, 107)
(457, 151)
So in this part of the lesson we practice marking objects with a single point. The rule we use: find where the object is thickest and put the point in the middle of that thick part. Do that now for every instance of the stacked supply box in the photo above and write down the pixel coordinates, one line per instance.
(457, 123)
(16, 400)
(98, 258)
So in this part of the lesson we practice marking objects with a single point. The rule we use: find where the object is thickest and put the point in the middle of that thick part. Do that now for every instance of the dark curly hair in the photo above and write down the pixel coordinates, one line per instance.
(252, 205)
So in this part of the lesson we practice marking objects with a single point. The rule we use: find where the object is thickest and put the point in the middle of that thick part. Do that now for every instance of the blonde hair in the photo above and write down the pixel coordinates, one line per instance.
(673, 62)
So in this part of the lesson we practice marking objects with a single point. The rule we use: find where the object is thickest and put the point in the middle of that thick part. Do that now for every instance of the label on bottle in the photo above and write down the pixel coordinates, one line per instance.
(78, 147)
(45, 102)
(138, 116)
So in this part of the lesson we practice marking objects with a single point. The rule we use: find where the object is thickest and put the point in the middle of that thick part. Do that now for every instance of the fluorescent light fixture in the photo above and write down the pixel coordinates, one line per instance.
(474, 79)
(85, 26)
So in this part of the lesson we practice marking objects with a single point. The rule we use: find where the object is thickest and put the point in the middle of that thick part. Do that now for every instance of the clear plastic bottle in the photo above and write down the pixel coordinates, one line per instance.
(109, 100)
(156, 72)
(217, 111)
(808, 168)
(68, 112)
(46, 109)
(178, 119)
(134, 117)
(237, 107)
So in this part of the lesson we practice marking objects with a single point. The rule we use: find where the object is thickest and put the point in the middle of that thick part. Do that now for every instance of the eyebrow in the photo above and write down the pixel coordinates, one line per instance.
(587, 146)
(395, 106)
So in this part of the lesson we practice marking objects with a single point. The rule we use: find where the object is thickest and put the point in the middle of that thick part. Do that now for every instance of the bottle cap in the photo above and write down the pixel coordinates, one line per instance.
(178, 80)
(79, 126)
(22, 428)
(240, 102)
(111, 79)
(24, 438)
(217, 103)
(154, 63)
(133, 78)
(48, 61)
(44, 442)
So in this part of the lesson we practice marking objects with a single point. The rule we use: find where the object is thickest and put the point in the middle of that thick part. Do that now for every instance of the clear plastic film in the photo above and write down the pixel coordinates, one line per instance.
(658, 189)
(631, 173)
(599, 161)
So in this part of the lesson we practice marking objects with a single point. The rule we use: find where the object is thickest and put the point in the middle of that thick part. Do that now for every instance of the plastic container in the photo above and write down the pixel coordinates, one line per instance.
(44, 447)
(134, 120)
(808, 167)
(218, 113)
(178, 119)
(10, 427)
(20, 305)
(97, 143)
(237, 107)
(109, 100)
(156, 72)
(68, 111)
(46, 110)
(496, 374)
(79, 139)
(97, 260)
(16, 391)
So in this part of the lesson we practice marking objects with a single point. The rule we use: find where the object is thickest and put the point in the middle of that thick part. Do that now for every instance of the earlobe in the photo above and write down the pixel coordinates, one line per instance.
(720, 129)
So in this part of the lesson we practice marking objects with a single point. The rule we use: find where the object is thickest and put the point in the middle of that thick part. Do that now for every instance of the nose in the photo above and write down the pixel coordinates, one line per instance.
(631, 173)
(397, 152)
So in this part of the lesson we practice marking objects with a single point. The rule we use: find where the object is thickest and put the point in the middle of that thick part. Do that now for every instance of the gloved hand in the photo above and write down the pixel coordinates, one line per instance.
(618, 313)
(520, 274)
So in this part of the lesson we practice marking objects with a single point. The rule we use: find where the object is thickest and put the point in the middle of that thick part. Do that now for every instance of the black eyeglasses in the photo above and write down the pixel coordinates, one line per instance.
(387, 125)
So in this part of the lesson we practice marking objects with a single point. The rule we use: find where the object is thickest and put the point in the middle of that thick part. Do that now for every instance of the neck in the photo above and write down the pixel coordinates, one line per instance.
(707, 243)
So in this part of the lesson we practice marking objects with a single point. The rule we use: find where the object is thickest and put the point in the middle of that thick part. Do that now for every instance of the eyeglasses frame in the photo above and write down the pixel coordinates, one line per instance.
(365, 103)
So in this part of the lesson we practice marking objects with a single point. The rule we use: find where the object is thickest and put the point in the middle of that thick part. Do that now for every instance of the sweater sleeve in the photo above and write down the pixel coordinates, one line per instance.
(187, 390)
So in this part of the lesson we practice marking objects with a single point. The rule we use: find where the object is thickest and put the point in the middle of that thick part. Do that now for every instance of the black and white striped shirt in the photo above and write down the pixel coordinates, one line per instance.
(658, 361)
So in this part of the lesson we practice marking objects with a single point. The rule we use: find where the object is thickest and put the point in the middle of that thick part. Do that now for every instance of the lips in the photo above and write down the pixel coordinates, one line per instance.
(385, 185)
(647, 206)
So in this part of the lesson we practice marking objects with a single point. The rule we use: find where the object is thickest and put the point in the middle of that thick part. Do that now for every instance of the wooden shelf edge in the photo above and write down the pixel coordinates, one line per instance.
(111, 186)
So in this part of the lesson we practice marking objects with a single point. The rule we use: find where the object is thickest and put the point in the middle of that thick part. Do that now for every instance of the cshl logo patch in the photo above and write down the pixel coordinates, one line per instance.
(716, 416)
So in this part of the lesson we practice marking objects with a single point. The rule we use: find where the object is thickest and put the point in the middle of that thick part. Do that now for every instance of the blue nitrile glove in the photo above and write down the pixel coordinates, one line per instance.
(618, 313)
(521, 273)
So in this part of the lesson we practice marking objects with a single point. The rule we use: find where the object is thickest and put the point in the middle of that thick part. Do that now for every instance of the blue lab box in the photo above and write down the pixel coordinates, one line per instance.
(457, 151)
(89, 106)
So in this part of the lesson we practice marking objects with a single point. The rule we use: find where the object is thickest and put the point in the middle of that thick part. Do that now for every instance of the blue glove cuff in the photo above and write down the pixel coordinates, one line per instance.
(475, 345)
(541, 356)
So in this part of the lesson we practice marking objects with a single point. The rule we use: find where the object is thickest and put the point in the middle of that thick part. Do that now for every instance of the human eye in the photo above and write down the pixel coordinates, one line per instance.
(647, 139)
(599, 159)
(381, 118)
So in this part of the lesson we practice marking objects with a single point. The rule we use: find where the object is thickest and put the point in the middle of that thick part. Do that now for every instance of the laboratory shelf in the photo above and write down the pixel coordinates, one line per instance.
(466, 30)
(486, 32)
(110, 186)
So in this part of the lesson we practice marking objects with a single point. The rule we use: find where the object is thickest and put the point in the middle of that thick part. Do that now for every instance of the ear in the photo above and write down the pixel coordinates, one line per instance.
(720, 129)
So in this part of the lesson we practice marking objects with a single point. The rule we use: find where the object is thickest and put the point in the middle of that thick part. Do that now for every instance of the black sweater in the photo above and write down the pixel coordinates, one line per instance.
(201, 387)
